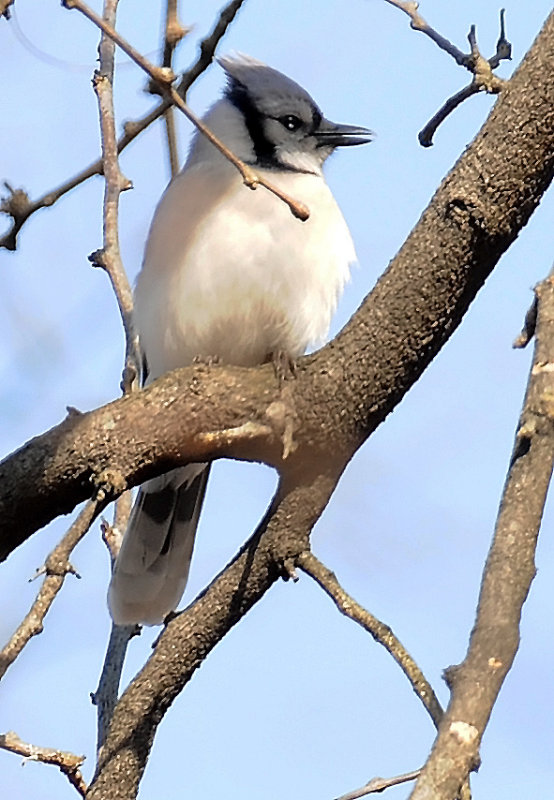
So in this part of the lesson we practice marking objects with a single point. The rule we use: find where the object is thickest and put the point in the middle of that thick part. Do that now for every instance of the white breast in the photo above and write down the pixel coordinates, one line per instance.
(230, 272)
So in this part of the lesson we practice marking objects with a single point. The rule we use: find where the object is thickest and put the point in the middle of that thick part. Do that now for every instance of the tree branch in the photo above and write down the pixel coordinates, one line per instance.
(507, 577)
(18, 205)
(109, 257)
(165, 78)
(480, 67)
(475, 215)
(376, 785)
(173, 34)
(381, 633)
(191, 635)
(56, 567)
(67, 762)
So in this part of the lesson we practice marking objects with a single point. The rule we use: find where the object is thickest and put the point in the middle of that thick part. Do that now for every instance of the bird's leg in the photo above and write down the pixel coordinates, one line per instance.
(284, 365)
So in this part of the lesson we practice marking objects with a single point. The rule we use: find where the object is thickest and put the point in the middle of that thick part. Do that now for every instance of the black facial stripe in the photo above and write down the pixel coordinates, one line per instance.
(316, 118)
(263, 148)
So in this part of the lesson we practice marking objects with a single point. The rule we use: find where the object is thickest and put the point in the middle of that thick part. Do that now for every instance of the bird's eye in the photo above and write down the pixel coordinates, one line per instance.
(291, 122)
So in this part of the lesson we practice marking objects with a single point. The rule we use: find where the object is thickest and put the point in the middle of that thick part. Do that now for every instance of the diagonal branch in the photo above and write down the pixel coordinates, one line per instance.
(68, 763)
(56, 567)
(191, 635)
(509, 571)
(18, 205)
(381, 633)
(165, 78)
(376, 785)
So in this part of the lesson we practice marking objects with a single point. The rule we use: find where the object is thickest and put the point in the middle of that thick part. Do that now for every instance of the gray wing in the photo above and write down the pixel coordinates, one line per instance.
(151, 570)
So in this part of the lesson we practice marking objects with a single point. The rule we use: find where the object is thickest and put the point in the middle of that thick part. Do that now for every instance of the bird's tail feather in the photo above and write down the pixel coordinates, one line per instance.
(151, 570)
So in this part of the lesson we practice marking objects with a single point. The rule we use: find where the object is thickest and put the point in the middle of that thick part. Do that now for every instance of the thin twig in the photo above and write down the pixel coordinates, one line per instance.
(18, 205)
(503, 46)
(425, 136)
(208, 46)
(109, 257)
(507, 577)
(376, 785)
(419, 24)
(380, 632)
(165, 77)
(68, 763)
(173, 34)
(480, 67)
(56, 568)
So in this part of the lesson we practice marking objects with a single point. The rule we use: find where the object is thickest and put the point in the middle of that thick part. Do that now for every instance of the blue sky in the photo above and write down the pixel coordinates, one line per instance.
(296, 701)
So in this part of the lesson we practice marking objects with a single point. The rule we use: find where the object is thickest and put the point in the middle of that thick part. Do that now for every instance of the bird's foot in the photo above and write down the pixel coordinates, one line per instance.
(207, 361)
(284, 365)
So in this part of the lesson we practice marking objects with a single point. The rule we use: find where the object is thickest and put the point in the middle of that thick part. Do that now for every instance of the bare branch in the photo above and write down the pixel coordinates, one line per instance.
(165, 77)
(18, 205)
(503, 46)
(381, 633)
(507, 577)
(191, 635)
(376, 785)
(426, 134)
(56, 568)
(419, 24)
(173, 34)
(209, 45)
(171, 138)
(481, 68)
(109, 257)
(68, 763)
(105, 697)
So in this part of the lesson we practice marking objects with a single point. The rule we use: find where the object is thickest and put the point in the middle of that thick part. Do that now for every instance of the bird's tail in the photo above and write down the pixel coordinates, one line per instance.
(151, 570)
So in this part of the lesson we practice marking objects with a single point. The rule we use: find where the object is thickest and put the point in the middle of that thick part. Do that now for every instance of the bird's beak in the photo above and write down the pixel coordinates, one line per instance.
(329, 134)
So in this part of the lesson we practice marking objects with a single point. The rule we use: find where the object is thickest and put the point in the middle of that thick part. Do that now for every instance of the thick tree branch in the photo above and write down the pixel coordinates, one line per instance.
(473, 218)
(190, 636)
(507, 577)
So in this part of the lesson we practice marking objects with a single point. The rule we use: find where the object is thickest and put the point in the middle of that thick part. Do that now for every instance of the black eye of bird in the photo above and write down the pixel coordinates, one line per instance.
(291, 122)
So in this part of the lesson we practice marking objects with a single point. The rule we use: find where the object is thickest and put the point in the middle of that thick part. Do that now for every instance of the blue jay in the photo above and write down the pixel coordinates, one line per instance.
(230, 273)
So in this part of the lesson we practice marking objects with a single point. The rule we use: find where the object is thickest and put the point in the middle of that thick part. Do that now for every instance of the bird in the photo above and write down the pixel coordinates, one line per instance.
(229, 273)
